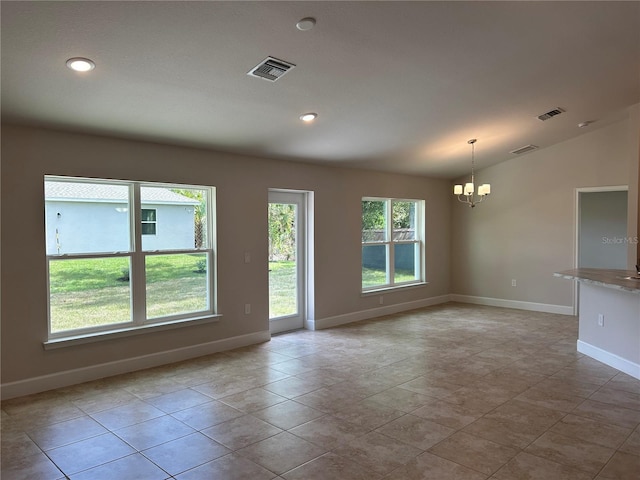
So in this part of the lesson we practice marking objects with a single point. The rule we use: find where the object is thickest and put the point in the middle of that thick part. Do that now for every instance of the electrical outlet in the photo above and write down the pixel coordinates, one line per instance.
(247, 257)
(247, 308)
(600, 320)
(514, 283)
(381, 300)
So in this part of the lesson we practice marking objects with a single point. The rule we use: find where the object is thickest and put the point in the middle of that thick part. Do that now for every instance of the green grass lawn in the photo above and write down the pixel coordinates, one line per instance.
(98, 273)
(282, 289)
(373, 277)
(94, 292)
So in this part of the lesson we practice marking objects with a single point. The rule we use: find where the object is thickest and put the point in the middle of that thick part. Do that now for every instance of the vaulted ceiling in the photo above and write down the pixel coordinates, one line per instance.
(398, 86)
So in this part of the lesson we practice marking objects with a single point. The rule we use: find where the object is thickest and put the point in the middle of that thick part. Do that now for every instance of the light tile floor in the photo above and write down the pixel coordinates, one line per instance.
(449, 392)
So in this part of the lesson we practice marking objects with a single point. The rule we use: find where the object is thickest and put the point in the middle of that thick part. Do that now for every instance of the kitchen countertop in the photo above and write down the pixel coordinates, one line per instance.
(604, 277)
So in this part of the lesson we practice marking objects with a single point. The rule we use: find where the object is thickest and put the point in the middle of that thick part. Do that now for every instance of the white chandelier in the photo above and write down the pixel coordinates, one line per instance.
(466, 194)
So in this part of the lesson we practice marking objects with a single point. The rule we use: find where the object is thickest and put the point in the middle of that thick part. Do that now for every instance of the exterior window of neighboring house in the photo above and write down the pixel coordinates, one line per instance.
(148, 221)
(110, 267)
(392, 243)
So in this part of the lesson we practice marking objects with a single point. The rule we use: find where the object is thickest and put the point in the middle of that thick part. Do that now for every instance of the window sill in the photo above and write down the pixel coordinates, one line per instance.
(378, 291)
(70, 341)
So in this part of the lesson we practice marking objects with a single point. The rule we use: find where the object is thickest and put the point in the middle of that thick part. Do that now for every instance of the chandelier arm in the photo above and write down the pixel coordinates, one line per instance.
(469, 200)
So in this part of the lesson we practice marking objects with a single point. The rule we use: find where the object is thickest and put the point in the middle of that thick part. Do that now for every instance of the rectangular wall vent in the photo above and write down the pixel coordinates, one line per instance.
(550, 113)
(525, 149)
(270, 69)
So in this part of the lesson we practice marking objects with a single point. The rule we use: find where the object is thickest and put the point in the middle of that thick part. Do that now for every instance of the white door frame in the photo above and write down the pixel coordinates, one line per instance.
(304, 260)
(576, 249)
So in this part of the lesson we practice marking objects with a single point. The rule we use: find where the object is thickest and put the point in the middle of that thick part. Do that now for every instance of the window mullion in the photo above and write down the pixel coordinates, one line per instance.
(138, 280)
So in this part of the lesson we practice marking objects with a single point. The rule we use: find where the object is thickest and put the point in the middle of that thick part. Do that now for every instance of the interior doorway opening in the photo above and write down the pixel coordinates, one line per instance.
(601, 230)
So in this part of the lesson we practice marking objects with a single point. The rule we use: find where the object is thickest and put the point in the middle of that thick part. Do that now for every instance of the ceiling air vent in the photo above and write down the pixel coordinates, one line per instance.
(270, 69)
(550, 113)
(525, 149)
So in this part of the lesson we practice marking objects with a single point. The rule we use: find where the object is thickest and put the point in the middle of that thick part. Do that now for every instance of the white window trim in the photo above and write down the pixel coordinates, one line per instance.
(399, 286)
(419, 241)
(137, 256)
(92, 337)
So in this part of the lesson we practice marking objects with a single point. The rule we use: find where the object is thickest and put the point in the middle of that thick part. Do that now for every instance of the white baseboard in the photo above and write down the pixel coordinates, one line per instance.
(329, 322)
(610, 359)
(94, 372)
(499, 302)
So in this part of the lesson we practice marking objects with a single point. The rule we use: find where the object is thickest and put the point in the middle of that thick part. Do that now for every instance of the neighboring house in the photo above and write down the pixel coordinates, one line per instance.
(93, 217)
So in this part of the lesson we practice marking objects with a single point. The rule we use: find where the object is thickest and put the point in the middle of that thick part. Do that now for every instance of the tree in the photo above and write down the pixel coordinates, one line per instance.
(373, 213)
(282, 234)
(200, 213)
(374, 217)
(403, 214)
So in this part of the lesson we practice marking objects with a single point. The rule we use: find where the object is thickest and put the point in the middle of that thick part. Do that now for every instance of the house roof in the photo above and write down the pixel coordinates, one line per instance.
(104, 192)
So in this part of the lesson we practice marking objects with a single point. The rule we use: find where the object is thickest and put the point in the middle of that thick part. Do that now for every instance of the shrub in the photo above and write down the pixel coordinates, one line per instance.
(125, 274)
(201, 266)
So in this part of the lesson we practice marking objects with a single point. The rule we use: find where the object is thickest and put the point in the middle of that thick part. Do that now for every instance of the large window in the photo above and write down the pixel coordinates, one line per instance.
(111, 266)
(392, 243)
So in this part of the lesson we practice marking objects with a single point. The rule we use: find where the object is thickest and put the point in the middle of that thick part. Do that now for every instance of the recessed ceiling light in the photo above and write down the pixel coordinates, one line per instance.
(79, 64)
(306, 24)
(308, 117)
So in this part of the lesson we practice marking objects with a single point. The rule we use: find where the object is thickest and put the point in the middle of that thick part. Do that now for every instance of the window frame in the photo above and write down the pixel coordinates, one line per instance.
(138, 321)
(153, 222)
(390, 243)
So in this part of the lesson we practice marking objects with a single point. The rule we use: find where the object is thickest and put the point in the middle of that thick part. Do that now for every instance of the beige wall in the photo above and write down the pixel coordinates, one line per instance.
(242, 184)
(526, 229)
(616, 342)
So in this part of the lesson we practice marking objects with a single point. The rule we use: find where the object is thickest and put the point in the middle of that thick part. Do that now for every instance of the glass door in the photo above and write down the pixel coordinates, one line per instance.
(287, 229)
